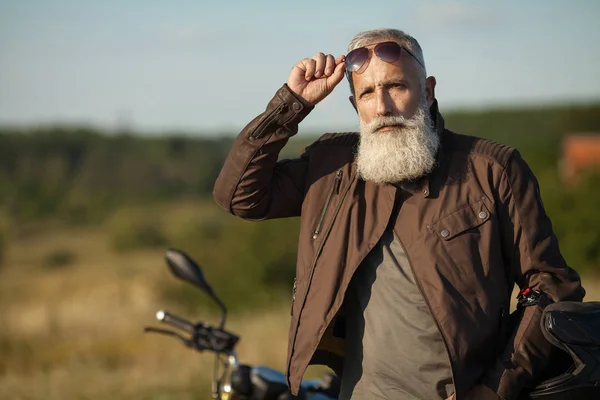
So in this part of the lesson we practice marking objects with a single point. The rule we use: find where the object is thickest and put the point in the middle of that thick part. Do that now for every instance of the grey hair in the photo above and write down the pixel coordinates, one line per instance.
(366, 38)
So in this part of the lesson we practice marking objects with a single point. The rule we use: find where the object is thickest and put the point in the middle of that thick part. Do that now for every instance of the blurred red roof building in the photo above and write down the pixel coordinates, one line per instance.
(580, 153)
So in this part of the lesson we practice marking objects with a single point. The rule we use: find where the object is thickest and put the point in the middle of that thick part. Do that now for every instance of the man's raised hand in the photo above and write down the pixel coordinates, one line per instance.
(314, 78)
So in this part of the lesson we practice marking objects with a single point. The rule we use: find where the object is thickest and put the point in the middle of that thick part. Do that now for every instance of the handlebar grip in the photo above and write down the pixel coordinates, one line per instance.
(176, 321)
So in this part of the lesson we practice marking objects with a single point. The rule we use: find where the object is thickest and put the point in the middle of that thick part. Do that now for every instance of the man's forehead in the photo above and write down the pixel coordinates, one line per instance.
(380, 72)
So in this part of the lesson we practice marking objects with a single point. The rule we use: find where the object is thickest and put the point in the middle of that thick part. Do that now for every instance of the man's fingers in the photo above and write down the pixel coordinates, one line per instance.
(329, 65)
(309, 68)
(339, 71)
(320, 64)
(337, 75)
(315, 78)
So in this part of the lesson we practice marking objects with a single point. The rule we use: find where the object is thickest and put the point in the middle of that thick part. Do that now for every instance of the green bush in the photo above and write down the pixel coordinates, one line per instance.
(576, 220)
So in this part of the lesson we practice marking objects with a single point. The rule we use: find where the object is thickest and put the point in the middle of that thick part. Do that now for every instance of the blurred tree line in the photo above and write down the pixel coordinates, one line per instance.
(82, 176)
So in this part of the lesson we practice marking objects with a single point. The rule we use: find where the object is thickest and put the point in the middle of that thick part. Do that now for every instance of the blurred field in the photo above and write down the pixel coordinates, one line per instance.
(77, 332)
(74, 331)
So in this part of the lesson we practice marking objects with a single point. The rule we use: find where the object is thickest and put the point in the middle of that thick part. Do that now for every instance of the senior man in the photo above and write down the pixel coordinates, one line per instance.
(412, 237)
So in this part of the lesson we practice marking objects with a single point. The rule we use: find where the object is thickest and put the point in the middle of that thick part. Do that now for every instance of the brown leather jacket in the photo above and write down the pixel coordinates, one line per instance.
(472, 229)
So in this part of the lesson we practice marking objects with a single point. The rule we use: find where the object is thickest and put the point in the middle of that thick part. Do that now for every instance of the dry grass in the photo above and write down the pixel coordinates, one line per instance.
(76, 332)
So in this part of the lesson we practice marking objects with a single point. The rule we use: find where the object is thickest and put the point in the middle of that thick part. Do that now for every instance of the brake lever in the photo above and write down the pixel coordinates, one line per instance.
(186, 341)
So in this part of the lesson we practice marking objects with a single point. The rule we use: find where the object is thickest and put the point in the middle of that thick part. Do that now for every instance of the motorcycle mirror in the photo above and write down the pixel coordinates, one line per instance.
(183, 267)
(186, 269)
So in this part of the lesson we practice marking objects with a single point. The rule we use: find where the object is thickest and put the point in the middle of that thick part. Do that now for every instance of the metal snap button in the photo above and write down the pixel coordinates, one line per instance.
(483, 215)
(296, 106)
(445, 233)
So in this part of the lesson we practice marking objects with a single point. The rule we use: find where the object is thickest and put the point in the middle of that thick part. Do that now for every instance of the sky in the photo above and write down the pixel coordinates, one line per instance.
(208, 67)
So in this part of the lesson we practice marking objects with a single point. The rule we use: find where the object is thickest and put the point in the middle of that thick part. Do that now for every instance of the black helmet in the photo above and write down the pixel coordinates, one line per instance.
(574, 370)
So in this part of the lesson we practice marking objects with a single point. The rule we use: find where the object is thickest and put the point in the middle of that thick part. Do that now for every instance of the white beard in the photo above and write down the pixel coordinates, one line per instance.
(403, 153)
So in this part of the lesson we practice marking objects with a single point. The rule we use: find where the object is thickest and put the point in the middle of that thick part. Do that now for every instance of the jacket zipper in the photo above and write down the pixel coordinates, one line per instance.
(418, 282)
(260, 130)
(312, 271)
(334, 188)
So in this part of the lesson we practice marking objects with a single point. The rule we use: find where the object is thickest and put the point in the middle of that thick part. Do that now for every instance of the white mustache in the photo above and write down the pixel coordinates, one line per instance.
(390, 120)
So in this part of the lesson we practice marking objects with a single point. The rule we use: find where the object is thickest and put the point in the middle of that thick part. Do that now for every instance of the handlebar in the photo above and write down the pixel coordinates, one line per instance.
(203, 336)
(178, 322)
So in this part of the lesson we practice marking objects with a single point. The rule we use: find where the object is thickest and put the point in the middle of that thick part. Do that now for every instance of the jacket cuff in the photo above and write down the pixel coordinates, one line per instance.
(285, 110)
(305, 105)
(296, 107)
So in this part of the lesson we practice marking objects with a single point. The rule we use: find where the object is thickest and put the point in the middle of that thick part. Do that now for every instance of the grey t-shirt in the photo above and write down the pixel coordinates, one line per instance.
(393, 347)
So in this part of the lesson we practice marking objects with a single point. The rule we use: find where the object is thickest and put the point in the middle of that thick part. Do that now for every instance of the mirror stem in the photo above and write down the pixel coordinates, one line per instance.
(223, 313)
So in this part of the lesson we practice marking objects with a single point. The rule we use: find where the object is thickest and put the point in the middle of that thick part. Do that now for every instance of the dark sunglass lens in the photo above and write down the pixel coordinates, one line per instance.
(388, 51)
(356, 58)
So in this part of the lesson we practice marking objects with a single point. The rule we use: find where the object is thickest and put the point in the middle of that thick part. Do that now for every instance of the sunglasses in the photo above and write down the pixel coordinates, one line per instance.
(356, 60)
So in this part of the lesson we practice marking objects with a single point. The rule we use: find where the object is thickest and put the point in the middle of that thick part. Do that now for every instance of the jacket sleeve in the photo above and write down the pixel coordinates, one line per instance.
(252, 183)
(531, 249)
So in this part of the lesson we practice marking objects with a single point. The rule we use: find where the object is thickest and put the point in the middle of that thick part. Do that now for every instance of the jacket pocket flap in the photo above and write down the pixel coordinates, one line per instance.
(464, 219)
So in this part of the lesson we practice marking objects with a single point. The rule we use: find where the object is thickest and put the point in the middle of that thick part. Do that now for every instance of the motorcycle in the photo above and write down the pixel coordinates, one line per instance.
(231, 379)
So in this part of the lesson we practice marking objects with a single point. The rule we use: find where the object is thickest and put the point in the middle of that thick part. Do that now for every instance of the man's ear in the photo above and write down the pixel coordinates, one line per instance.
(353, 102)
(430, 90)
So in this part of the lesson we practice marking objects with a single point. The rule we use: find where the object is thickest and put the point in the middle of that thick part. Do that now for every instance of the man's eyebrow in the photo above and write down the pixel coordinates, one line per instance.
(387, 83)
(365, 89)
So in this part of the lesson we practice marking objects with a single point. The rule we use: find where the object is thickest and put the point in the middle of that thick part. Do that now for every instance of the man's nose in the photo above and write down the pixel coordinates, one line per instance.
(385, 105)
